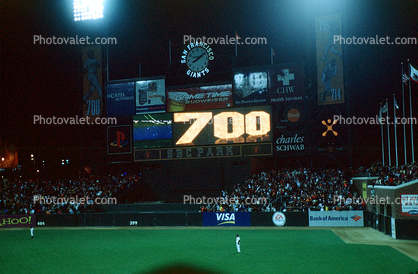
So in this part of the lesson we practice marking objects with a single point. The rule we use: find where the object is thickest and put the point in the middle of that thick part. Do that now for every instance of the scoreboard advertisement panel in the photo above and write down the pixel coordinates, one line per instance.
(286, 83)
(119, 143)
(120, 99)
(135, 96)
(150, 96)
(198, 98)
(119, 139)
(290, 130)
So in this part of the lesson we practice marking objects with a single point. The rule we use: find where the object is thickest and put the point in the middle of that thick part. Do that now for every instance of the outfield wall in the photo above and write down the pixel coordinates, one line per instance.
(144, 219)
(120, 219)
(396, 228)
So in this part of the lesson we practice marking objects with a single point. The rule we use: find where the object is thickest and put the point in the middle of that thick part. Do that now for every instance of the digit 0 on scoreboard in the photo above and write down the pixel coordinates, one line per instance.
(239, 125)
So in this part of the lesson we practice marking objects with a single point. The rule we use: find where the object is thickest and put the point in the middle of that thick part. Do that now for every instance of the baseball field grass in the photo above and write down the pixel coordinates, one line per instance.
(193, 250)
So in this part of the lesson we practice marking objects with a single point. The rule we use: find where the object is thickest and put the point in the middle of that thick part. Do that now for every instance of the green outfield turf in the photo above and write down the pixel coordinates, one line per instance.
(113, 250)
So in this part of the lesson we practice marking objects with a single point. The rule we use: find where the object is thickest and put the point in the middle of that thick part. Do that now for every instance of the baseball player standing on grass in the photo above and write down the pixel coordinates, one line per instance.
(31, 231)
(238, 242)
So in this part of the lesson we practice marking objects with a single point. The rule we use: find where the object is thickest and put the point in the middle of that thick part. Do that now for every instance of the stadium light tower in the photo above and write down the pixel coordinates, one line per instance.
(88, 9)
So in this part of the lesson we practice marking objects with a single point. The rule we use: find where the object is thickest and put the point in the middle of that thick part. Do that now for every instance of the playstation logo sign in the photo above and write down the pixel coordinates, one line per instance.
(119, 139)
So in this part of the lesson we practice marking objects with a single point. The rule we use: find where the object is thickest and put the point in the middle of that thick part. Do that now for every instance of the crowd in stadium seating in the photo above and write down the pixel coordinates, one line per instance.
(285, 189)
(41, 196)
(305, 189)
(391, 176)
(292, 190)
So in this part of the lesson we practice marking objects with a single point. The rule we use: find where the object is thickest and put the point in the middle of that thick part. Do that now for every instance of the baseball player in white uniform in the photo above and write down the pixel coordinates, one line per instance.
(31, 231)
(238, 242)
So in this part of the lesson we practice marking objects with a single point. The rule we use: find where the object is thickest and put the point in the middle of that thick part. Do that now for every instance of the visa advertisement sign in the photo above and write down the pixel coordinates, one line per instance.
(226, 219)
(336, 218)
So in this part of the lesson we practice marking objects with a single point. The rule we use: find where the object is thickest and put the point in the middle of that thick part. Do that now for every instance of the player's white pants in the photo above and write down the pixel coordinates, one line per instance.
(238, 248)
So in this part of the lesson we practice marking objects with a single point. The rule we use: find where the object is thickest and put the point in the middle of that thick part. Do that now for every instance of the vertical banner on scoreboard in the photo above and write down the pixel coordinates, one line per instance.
(329, 60)
(92, 82)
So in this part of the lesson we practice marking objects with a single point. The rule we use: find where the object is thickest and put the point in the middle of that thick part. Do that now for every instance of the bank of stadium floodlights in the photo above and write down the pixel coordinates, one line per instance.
(88, 9)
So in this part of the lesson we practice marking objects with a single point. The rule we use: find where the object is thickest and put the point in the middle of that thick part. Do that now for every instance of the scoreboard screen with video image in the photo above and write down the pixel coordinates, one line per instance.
(250, 87)
(152, 130)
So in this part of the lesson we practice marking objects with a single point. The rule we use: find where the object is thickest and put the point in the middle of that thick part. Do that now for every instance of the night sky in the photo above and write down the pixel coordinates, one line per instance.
(45, 79)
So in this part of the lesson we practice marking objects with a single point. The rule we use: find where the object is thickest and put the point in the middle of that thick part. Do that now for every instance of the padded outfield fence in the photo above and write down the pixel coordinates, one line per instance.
(175, 219)
(396, 228)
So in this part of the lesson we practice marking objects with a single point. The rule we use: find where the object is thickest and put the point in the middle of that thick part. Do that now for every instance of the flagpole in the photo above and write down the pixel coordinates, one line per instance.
(403, 116)
(381, 131)
(410, 110)
(236, 44)
(394, 125)
(387, 123)
(169, 50)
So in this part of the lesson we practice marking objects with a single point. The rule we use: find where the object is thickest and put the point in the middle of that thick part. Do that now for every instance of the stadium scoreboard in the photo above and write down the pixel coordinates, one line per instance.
(228, 132)
(261, 111)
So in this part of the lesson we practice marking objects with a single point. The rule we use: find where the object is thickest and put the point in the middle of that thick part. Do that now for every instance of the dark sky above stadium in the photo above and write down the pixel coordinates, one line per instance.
(45, 79)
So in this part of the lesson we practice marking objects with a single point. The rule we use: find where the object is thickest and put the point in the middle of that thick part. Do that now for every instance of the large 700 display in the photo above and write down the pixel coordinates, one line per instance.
(243, 125)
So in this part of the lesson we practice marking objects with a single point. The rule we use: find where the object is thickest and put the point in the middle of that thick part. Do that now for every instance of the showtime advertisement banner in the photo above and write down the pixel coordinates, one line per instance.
(24, 220)
(226, 219)
(329, 60)
(286, 83)
(336, 218)
(120, 98)
(250, 87)
(199, 98)
(150, 96)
